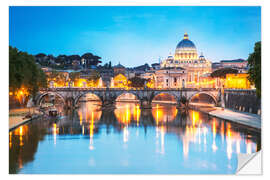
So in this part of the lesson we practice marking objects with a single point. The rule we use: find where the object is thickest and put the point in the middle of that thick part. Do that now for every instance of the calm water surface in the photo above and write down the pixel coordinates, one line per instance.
(129, 140)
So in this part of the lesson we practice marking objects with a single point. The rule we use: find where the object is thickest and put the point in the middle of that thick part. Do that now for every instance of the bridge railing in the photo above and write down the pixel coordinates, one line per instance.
(124, 89)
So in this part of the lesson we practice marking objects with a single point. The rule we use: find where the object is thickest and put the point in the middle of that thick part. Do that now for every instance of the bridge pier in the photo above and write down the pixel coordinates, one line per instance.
(108, 104)
(69, 103)
(179, 105)
(145, 104)
(146, 117)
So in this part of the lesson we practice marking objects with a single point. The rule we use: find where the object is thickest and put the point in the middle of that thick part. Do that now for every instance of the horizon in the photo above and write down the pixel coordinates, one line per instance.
(129, 34)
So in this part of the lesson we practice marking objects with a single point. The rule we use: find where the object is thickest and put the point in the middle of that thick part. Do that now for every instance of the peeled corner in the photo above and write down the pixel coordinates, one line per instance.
(249, 164)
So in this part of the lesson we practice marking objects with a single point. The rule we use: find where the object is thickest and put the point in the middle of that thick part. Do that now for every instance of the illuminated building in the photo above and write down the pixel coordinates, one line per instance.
(120, 81)
(206, 81)
(174, 77)
(237, 81)
(186, 57)
(57, 78)
(236, 63)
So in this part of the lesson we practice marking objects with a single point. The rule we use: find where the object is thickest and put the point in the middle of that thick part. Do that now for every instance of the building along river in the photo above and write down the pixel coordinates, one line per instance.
(129, 140)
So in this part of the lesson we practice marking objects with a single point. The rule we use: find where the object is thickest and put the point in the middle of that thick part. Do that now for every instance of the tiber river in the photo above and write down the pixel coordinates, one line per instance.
(129, 140)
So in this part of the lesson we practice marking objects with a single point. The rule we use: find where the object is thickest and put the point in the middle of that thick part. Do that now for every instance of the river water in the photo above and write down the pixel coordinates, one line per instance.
(129, 140)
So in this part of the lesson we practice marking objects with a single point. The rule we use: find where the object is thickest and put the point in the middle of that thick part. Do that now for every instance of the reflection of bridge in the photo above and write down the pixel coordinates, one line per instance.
(108, 96)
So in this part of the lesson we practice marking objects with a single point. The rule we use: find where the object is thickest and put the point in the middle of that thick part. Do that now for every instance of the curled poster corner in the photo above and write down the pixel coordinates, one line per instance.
(249, 164)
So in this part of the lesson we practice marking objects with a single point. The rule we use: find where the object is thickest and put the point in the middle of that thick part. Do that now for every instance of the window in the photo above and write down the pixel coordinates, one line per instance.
(175, 80)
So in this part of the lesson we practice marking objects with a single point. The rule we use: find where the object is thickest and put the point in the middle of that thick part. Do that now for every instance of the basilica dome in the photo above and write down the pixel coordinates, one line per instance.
(186, 49)
(186, 44)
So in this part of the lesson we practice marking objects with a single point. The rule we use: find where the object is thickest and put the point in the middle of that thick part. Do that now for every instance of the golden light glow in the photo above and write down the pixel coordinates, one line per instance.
(86, 111)
(120, 81)
(55, 132)
(195, 117)
(214, 147)
(237, 81)
(10, 139)
(21, 136)
(21, 132)
(229, 141)
(127, 113)
(91, 131)
(161, 114)
(150, 83)
(137, 113)
(91, 128)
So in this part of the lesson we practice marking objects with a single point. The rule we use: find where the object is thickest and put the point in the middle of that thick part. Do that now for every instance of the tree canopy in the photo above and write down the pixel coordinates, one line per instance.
(221, 73)
(254, 63)
(23, 72)
(137, 82)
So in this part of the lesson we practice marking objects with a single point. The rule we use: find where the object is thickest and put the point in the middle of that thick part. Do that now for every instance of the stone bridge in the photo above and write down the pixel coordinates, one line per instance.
(108, 96)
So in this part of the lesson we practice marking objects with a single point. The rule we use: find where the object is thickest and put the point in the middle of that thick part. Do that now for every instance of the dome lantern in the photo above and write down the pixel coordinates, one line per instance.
(185, 36)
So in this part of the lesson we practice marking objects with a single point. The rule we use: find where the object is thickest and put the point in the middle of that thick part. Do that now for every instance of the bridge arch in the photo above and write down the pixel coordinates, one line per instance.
(40, 97)
(156, 94)
(76, 100)
(126, 92)
(213, 97)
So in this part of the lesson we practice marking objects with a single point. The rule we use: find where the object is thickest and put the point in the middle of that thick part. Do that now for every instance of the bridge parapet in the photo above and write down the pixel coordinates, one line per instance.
(109, 95)
(126, 89)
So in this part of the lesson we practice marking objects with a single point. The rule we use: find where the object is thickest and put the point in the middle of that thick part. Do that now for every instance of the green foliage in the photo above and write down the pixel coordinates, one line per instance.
(58, 77)
(254, 63)
(221, 73)
(23, 72)
(94, 76)
(74, 76)
(137, 82)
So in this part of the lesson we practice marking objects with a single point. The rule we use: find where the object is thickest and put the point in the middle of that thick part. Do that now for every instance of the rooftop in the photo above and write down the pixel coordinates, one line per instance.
(119, 66)
(232, 61)
(168, 68)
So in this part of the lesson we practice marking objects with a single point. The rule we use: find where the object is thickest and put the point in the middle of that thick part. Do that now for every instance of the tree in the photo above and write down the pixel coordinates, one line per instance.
(74, 76)
(91, 59)
(24, 72)
(136, 82)
(254, 63)
(221, 73)
(93, 78)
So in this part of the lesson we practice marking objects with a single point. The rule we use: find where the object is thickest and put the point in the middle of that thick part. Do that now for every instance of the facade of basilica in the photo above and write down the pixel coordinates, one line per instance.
(186, 57)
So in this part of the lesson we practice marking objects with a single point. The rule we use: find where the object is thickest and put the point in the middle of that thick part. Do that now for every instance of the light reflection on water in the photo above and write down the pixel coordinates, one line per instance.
(129, 140)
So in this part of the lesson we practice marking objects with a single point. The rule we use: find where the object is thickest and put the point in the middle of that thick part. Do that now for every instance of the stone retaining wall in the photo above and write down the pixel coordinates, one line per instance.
(242, 100)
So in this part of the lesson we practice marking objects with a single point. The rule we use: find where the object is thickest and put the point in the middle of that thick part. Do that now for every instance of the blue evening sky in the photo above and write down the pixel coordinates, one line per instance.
(135, 35)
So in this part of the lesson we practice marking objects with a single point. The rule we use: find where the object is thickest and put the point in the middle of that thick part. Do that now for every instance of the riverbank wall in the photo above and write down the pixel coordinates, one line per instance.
(17, 117)
(247, 120)
(243, 100)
